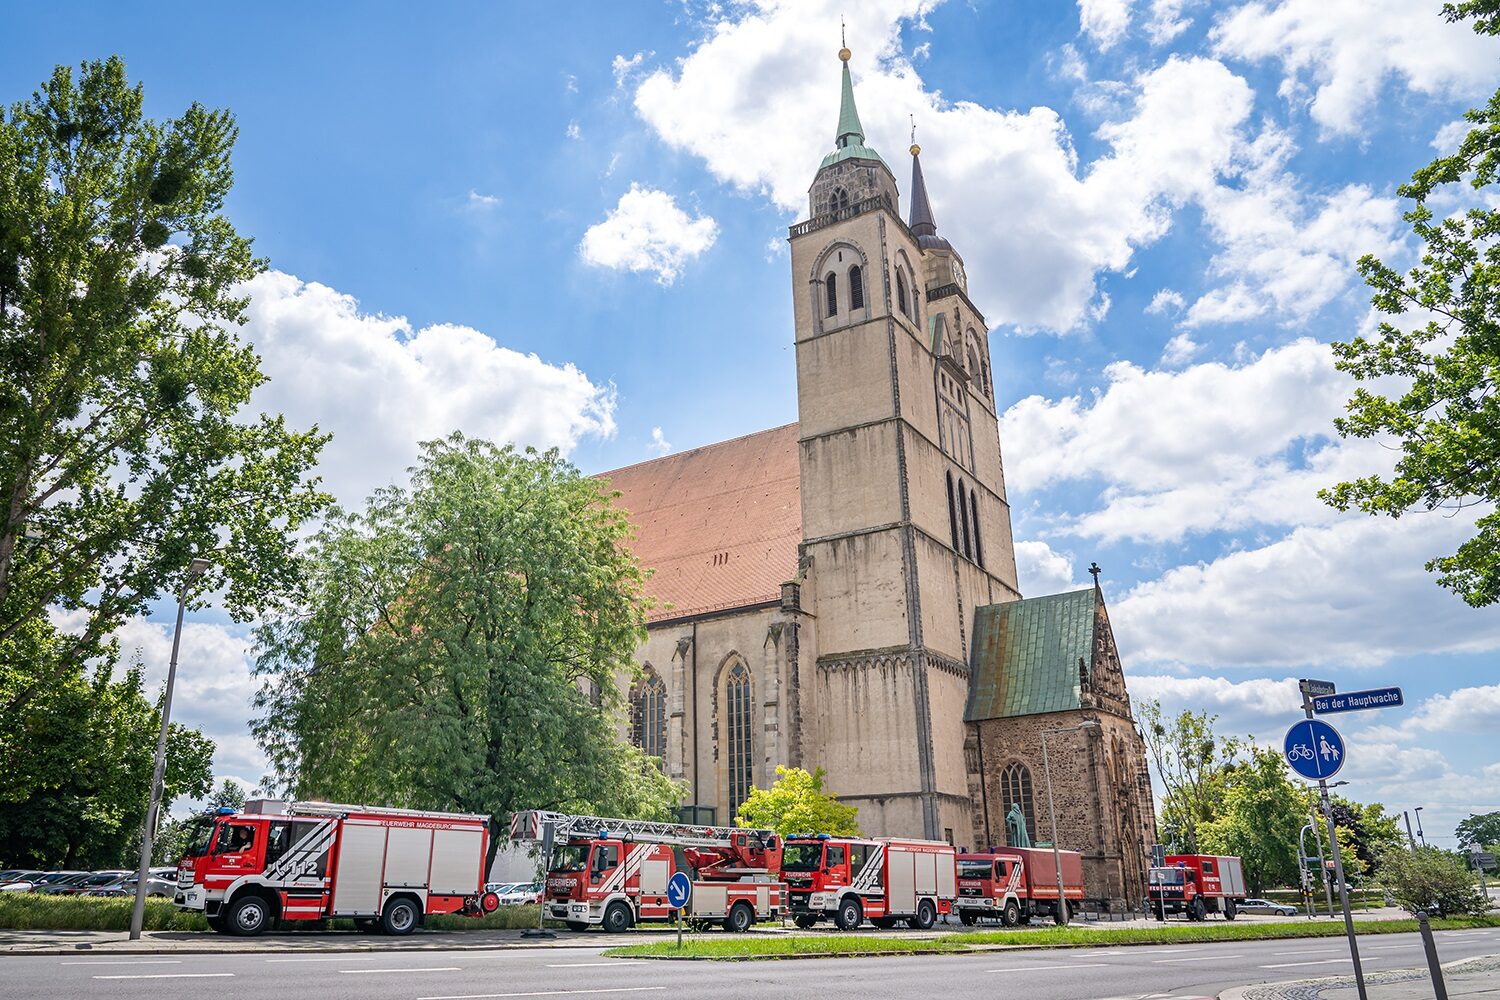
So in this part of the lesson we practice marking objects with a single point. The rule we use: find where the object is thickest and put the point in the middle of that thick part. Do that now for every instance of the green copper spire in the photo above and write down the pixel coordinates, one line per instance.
(850, 142)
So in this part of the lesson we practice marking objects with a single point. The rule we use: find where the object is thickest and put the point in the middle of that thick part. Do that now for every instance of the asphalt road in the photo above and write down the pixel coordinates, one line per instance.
(1177, 971)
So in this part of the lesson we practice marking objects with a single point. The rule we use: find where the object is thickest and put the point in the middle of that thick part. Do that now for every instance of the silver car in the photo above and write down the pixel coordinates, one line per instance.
(1267, 907)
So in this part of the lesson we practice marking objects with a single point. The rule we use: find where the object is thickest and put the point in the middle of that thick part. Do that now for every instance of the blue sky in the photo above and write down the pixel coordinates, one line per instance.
(568, 229)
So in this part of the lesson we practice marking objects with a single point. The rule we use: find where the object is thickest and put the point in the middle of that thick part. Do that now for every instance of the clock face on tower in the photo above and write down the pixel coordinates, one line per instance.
(958, 271)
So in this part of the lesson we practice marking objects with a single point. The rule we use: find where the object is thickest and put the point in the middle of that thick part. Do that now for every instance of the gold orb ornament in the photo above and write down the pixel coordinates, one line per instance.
(915, 149)
(845, 55)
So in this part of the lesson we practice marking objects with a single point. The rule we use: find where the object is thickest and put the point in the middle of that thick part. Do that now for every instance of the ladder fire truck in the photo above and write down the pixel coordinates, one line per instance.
(614, 872)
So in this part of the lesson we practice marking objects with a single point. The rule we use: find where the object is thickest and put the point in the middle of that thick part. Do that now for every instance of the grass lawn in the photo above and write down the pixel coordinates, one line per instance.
(712, 947)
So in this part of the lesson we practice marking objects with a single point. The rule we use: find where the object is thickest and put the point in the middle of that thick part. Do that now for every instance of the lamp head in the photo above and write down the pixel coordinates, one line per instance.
(198, 567)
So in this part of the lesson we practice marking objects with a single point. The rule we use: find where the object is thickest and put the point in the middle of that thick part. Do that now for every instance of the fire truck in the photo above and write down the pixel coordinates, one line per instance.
(614, 872)
(1197, 884)
(883, 880)
(385, 868)
(1017, 883)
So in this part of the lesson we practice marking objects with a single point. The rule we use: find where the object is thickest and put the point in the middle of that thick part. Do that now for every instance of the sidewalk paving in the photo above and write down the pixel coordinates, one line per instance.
(1468, 977)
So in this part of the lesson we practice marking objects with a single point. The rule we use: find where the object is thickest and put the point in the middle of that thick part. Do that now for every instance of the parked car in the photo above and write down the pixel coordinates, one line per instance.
(520, 894)
(1268, 907)
(55, 882)
(21, 881)
(126, 887)
(93, 881)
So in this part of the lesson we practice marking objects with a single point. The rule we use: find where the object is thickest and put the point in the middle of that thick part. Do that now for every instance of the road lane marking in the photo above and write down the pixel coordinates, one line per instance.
(1309, 951)
(373, 972)
(149, 961)
(1293, 965)
(333, 958)
(1043, 968)
(1202, 958)
(174, 975)
(548, 993)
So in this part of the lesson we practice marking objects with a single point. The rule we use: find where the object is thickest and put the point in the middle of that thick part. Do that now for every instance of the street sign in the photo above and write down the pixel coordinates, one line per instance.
(1314, 689)
(679, 890)
(1354, 701)
(1314, 749)
(1482, 859)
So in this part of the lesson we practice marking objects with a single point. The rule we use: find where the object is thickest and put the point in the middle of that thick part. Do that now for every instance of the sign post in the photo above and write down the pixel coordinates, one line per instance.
(1315, 750)
(679, 891)
(1317, 689)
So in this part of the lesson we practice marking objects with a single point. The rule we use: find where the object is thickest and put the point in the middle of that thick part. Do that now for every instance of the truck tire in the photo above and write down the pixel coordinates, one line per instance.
(578, 925)
(850, 914)
(1012, 915)
(805, 922)
(1230, 912)
(1197, 911)
(924, 918)
(248, 916)
(400, 917)
(617, 918)
(740, 919)
(216, 923)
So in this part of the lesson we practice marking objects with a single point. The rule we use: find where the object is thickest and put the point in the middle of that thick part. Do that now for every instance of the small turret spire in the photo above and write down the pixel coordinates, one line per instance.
(849, 126)
(921, 223)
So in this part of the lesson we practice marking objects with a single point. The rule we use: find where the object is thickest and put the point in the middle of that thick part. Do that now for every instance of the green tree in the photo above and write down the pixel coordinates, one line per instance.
(1258, 818)
(460, 645)
(796, 803)
(121, 384)
(1480, 831)
(1375, 833)
(1434, 880)
(91, 767)
(228, 794)
(1189, 757)
(1446, 416)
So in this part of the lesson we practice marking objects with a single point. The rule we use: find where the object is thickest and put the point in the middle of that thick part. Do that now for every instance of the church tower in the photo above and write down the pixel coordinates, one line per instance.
(905, 524)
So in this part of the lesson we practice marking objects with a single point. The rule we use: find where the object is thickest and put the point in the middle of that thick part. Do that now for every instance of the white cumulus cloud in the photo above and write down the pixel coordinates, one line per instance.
(1041, 570)
(1104, 21)
(646, 231)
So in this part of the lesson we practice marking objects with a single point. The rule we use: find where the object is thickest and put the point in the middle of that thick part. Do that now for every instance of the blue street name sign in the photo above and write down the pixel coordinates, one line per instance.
(1314, 749)
(679, 890)
(1354, 701)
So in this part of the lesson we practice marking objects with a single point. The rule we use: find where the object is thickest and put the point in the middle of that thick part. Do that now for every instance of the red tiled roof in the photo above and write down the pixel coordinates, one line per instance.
(719, 525)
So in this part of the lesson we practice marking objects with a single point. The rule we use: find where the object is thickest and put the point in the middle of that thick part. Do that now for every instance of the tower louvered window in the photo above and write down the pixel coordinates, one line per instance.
(856, 288)
(831, 289)
(739, 742)
(1015, 789)
(650, 716)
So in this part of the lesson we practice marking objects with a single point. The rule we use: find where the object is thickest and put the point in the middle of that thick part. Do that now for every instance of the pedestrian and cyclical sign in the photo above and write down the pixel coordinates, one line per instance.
(1314, 749)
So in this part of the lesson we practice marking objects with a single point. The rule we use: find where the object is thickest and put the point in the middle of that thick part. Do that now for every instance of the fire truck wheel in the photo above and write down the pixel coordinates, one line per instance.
(924, 918)
(1230, 912)
(1197, 911)
(849, 914)
(248, 916)
(1012, 915)
(216, 923)
(805, 922)
(740, 918)
(400, 916)
(617, 918)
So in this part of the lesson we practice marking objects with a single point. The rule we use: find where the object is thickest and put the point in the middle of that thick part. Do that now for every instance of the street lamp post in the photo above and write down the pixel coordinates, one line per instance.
(1420, 835)
(195, 569)
(1062, 903)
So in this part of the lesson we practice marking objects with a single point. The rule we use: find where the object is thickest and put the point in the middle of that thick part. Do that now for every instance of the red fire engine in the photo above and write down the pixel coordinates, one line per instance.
(881, 880)
(386, 868)
(1017, 883)
(614, 872)
(1197, 884)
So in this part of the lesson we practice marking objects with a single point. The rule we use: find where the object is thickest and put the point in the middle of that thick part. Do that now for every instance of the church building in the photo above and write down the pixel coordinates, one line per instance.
(840, 592)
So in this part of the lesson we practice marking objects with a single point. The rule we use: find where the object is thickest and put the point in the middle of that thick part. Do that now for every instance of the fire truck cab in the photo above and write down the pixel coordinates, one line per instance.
(850, 880)
(1197, 885)
(1016, 884)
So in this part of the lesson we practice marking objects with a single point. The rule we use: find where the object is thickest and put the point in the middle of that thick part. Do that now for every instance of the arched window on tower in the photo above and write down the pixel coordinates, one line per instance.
(649, 715)
(739, 742)
(838, 200)
(963, 520)
(974, 510)
(952, 514)
(901, 292)
(831, 289)
(856, 288)
(1015, 789)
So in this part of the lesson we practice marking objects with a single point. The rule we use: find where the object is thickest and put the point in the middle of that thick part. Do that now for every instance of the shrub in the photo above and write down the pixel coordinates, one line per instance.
(1434, 880)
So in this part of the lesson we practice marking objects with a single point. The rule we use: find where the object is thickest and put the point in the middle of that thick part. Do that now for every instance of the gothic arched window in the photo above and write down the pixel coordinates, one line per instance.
(649, 715)
(901, 292)
(974, 510)
(1015, 789)
(963, 520)
(838, 200)
(952, 514)
(856, 288)
(831, 289)
(739, 744)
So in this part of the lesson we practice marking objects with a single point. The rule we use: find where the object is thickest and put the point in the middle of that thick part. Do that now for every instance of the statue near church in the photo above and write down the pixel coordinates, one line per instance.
(1015, 827)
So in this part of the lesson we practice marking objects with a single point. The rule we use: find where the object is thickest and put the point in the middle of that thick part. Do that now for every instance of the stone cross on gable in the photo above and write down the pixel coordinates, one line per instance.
(1094, 571)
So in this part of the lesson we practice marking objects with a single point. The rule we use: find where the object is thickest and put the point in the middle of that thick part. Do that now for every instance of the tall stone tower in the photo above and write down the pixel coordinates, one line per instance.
(906, 528)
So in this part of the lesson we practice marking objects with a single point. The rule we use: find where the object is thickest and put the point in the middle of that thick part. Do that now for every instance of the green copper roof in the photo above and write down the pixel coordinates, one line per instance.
(850, 139)
(1025, 655)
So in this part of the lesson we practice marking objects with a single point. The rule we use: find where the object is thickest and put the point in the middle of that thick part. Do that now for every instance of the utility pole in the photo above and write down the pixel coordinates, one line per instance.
(1410, 839)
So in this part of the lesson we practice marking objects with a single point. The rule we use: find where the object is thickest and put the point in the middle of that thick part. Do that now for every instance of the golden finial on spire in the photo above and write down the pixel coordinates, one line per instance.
(844, 53)
(915, 149)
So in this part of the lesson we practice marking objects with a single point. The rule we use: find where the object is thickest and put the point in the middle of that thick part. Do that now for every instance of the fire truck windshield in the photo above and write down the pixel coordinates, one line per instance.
(200, 832)
(802, 857)
(975, 869)
(570, 858)
(1166, 876)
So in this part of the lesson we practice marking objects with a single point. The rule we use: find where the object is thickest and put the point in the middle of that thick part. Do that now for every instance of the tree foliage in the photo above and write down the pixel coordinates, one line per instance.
(1438, 881)
(1445, 416)
(121, 382)
(796, 803)
(1258, 818)
(92, 751)
(1188, 757)
(1374, 833)
(1479, 832)
(459, 645)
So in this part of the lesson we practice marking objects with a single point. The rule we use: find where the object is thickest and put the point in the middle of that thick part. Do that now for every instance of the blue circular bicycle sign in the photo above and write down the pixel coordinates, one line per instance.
(1314, 749)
